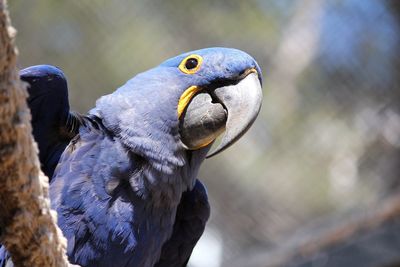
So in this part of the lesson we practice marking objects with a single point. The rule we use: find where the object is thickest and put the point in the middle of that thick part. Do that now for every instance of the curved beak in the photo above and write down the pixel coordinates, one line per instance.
(232, 108)
(242, 103)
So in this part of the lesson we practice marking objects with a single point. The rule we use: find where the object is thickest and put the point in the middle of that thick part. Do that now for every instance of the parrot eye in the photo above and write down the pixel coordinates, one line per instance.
(191, 64)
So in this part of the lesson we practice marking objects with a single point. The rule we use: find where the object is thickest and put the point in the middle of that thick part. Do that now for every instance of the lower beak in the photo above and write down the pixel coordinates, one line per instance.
(232, 108)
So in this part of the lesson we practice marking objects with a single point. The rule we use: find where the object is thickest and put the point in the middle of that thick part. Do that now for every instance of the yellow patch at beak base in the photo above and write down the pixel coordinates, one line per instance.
(185, 98)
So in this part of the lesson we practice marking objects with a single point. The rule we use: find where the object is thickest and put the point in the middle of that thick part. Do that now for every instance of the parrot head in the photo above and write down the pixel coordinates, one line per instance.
(185, 103)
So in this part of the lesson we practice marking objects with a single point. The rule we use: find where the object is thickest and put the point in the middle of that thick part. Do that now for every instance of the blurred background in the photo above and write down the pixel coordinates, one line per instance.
(327, 140)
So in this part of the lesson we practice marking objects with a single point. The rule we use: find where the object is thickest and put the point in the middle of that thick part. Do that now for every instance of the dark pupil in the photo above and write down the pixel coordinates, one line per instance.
(191, 63)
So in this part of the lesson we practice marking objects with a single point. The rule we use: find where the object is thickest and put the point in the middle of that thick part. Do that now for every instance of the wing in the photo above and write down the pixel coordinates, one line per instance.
(53, 123)
(191, 217)
(95, 204)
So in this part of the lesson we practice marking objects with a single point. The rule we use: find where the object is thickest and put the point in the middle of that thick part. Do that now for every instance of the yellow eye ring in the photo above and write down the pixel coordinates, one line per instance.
(191, 64)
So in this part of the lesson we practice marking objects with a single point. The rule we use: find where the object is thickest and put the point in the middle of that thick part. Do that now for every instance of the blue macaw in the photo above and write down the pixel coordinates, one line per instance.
(124, 176)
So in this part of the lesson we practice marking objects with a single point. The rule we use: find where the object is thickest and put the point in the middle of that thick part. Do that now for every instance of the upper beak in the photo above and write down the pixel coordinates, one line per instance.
(243, 103)
(232, 108)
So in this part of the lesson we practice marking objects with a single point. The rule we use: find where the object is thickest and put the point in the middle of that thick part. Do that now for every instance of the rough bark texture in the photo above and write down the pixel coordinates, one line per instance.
(27, 225)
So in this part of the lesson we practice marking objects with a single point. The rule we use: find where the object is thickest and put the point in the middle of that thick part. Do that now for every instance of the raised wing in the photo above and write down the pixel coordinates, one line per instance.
(53, 123)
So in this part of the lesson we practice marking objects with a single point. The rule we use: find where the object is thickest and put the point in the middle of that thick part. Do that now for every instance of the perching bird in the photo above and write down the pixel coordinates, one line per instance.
(125, 187)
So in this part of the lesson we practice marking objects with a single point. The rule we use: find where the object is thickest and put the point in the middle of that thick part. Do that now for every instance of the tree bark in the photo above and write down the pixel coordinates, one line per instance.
(28, 226)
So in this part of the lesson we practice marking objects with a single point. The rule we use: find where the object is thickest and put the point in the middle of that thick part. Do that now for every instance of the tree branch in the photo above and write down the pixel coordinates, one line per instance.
(28, 226)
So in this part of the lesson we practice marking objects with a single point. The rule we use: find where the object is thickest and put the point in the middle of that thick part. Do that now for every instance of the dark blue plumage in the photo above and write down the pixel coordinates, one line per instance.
(134, 211)
(125, 186)
(191, 217)
(53, 125)
(4, 256)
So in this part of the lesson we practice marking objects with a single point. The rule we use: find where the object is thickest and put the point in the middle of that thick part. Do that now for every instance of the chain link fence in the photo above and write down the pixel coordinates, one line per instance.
(328, 137)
